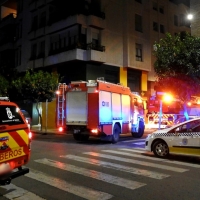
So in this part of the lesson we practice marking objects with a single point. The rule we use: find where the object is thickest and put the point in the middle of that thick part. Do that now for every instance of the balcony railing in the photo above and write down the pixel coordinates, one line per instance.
(78, 45)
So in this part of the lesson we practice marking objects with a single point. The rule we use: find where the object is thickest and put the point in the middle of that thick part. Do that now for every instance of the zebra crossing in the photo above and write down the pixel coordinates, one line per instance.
(132, 161)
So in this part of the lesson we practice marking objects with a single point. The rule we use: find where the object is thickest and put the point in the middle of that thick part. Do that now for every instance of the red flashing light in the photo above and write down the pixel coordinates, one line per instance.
(30, 135)
(94, 131)
(57, 92)
(60, 129)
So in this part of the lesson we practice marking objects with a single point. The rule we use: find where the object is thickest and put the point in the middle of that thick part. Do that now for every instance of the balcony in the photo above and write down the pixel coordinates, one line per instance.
(9, 19)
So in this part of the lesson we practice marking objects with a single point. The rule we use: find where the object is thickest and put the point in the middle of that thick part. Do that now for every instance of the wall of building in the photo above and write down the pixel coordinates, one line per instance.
(195, 11)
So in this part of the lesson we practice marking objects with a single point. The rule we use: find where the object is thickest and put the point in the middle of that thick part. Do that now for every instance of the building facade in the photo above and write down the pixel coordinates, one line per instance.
(89, 38)
(195, 12)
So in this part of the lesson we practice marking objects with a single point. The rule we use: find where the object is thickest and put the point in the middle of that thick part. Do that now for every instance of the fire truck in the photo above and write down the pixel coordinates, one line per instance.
(170, 111)
(99, 108)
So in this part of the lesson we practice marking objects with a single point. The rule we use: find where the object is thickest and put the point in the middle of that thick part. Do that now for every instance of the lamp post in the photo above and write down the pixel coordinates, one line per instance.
(166, 98)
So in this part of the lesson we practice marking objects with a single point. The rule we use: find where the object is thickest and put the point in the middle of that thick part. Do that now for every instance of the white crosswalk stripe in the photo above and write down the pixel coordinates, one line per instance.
(103, 159)
(155, 165)
(93, 174)
(161, 160)
(14, 192)
(124, 168)
(78, 190)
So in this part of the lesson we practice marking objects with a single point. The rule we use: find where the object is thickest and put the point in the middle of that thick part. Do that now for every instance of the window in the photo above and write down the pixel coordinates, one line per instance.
(19, 30)
(183, 20)
(175, 20)
(35, 23)
(83, 35)
(42, 49)
(6, 112)
(138, 52)
(155, 6)
(155, 26)
(33, 51)
(95, 39)
(54, 44)
(161, 9)
(138, 23)
(43, 19)
(18, 56)
(162, 28)
(19, 6)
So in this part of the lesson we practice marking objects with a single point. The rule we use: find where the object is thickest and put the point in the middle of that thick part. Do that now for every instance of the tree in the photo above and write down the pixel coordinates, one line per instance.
(177, 66)
(175, 55)
(4, 85)
(37, 87)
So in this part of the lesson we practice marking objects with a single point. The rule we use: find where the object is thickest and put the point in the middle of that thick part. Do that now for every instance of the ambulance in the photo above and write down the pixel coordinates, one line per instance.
(15, 142)
(180, 139)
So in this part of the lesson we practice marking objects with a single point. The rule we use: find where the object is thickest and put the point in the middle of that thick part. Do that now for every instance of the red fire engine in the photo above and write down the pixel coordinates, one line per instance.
(171, 111)
(99, 108)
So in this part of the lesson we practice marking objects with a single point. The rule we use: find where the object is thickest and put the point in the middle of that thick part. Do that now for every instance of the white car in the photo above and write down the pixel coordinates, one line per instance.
(180, 139)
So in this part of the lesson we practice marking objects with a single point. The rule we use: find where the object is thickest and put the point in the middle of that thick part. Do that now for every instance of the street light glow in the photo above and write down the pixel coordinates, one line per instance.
(190, 16)
(167, 98)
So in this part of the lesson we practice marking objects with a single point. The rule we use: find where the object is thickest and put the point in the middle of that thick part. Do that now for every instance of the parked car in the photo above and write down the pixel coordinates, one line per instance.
(27, 117)
(180, 139)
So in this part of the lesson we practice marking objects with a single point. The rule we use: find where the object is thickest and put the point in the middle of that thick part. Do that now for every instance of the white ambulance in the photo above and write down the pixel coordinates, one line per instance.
(180, 139)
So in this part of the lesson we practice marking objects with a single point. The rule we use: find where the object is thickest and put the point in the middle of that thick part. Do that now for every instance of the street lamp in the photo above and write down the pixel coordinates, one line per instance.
(166, 98)
(190, 16)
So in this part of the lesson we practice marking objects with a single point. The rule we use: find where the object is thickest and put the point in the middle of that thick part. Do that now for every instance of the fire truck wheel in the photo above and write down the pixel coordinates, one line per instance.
(160, 149)
(140, 132)
(116, 132)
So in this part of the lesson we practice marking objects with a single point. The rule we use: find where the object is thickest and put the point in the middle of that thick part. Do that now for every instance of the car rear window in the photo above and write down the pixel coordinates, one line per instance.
(10, 115)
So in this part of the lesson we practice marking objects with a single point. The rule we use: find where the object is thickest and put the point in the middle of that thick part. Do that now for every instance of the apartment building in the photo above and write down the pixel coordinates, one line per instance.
(195, 12)
(89, 38)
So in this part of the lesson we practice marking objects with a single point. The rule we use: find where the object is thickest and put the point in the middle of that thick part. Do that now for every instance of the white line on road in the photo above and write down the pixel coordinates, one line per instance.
(148, 164)
(140, 140)
(78, 190)
(124, 168)
(93, 174)
(14, 192)
(162, 160)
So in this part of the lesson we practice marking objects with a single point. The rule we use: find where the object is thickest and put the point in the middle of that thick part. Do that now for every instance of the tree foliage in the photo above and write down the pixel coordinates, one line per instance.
(178, 65)
(37, 87)
(179, 54)
(4, 85)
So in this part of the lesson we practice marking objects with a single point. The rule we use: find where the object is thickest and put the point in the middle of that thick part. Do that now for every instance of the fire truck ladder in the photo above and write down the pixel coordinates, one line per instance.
(60, 104)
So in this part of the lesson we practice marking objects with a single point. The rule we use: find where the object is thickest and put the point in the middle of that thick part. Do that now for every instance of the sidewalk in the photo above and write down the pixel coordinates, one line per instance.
(37, 130)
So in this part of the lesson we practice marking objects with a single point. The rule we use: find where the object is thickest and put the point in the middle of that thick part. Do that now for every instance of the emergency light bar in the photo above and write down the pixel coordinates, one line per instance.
(4, 99)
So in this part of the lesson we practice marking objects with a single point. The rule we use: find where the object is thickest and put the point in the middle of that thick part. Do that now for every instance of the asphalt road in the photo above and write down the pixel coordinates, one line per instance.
(61, 168)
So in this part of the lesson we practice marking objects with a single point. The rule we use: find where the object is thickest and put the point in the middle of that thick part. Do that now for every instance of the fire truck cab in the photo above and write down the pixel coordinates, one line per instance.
(101, 109)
